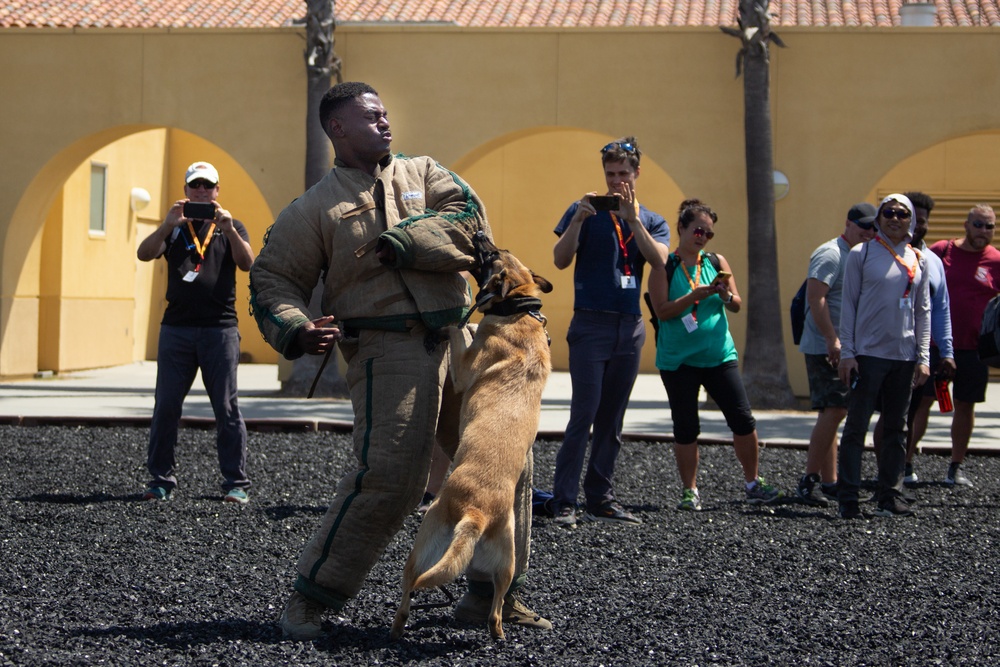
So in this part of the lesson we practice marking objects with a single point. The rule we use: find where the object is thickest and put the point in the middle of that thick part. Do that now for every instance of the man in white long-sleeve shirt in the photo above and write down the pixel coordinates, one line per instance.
(885, 347)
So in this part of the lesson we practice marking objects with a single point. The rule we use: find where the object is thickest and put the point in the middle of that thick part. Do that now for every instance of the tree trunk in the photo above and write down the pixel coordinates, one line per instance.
(322, 64)
(765, 370)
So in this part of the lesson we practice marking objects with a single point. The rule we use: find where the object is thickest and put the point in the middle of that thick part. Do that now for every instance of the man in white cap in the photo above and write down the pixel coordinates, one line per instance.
(203, 249)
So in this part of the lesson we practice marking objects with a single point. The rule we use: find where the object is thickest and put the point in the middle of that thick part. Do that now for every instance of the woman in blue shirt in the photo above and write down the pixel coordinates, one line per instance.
(694, 348)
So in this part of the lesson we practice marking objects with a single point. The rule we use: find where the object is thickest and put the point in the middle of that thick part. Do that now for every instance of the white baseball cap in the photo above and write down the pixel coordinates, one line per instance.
(202, 170)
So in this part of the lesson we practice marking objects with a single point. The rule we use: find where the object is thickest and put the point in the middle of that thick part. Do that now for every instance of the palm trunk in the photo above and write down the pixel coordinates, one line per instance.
(322, 64)
(765, 371)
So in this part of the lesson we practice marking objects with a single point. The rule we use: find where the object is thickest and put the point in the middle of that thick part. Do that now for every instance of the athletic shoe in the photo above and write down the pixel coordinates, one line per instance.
(829, 490)
(690, 501)
(809, 491)
(895, 506)
(565, 516)
(238, 496)
(909, 476)
(955, 476)
(611, 511)
(156, 493)
(302, 619)
(849, 509)
(762, 493)
(475, 609)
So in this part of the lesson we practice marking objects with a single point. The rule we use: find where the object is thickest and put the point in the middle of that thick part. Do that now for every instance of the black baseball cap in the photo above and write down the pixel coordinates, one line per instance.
(862, 212)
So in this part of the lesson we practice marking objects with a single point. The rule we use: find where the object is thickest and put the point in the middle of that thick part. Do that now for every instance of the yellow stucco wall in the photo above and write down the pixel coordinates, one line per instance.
(520, 113)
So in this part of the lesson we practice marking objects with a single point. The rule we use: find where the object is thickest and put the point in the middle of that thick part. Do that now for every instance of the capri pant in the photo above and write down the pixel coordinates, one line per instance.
(723, 383)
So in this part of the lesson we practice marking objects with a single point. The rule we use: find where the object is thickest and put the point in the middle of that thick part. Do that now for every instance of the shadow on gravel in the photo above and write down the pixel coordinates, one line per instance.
(72, 499)
(282, 512)
(192, 633)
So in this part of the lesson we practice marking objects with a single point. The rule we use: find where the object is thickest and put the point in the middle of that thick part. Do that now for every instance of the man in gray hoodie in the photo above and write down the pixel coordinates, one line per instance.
(885, 347)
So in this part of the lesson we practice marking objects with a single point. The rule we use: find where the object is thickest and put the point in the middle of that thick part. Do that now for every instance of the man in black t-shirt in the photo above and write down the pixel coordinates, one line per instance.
(203, 248)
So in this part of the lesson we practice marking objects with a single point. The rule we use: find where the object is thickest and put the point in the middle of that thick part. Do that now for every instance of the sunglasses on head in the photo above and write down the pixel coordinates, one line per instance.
(628, 148)
(201, 185)
(701, 231)
(867, 226)
(898, 213)
(979, 224)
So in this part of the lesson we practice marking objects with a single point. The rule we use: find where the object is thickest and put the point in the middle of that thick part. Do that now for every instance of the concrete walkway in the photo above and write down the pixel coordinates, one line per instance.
(125, 394)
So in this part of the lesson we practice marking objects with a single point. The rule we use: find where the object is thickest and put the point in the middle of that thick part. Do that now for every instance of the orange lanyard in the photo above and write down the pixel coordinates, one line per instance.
(693, 283)
(623, 243)
(199, 246)
(911, 271)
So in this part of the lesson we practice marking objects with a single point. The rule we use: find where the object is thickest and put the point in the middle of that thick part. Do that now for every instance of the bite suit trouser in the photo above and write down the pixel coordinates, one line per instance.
(402, 398)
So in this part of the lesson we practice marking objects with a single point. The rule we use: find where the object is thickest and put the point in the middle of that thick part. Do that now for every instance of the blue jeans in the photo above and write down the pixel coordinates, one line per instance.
(603, 363)
(894, 380)
(182, 351)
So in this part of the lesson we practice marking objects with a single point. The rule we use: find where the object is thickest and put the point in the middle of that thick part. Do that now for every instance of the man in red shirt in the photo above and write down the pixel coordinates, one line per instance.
(972, 271)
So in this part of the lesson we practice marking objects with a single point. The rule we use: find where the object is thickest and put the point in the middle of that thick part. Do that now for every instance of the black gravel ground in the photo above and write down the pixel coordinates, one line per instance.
(91, 575)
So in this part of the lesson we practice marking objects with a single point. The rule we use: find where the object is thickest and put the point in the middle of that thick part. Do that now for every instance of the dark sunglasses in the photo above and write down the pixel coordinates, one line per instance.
(978, 224)
(867, 226)
(898, 213)
(628, 148)
(201, 185)
(701, 231)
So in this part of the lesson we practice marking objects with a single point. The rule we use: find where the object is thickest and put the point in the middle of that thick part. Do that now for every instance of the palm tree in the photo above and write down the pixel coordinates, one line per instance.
(765, 371)
(322, 65)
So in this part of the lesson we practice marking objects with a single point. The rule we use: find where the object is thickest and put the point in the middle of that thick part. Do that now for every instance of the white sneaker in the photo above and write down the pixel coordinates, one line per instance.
(955, 476)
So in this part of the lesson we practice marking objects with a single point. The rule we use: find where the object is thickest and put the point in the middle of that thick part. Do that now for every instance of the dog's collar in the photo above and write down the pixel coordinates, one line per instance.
(513, 306)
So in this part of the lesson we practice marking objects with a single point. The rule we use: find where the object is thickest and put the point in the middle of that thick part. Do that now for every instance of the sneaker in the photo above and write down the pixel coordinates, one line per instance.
(475, 609)
(829, 491)
(302, 619)
(810, 492)
(425, 502)
(238, 496)
(955, 476)
(909, 476)
(896, 506)
(611, 511)
(156, 493)
(690, 501)
(849, 509)
(565, 516)
(762, 493)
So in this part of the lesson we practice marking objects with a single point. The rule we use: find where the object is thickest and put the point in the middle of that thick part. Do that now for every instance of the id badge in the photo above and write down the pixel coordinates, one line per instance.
(904, 303)
(628, 282)
(690, 323)
(190, 276)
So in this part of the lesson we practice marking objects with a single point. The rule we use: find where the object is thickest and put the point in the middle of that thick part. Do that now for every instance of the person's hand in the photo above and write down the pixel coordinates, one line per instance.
(584, 209)
(316, 337)
(223, 219)
(833, 352)
(845, 368)
(946, 369)
(702, 292)
(920, 375)
(627, 208)
(175, 216)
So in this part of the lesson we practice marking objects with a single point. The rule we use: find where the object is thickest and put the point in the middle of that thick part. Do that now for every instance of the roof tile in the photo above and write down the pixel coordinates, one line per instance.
(475, 13)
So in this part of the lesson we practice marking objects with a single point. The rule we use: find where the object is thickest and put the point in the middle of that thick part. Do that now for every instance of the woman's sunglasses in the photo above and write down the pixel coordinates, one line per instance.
(701, 231)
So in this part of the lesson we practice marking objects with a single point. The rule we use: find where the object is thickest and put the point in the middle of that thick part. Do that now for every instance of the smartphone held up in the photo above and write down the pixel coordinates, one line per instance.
(196, 210)
(605, 202)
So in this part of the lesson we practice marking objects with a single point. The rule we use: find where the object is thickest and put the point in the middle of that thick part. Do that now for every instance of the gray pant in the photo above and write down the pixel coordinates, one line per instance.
(182, 351)
(893, 379)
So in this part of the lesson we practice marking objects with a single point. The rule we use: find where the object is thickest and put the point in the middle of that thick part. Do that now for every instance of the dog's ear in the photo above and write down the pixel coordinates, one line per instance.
(498, 284)
(542, 283)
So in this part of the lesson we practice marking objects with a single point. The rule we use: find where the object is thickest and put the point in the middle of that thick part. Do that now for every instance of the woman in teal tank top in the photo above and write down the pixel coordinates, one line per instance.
(694, 348)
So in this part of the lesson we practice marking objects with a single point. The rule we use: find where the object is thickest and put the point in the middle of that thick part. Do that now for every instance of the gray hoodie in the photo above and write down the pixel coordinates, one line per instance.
(878, 318)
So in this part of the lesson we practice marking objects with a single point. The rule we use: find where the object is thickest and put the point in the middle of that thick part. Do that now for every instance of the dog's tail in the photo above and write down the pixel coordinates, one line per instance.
(459, 553)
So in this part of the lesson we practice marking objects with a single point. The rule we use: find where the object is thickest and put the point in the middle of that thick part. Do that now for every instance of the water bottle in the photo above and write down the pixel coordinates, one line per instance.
(943, 395)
